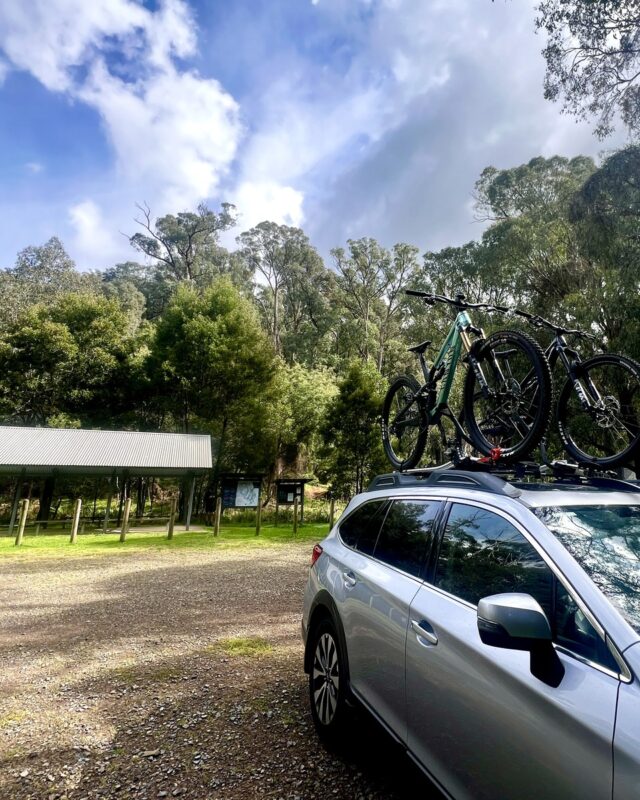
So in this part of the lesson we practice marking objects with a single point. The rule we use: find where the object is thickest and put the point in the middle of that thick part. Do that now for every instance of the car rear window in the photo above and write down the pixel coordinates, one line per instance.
(360, 529)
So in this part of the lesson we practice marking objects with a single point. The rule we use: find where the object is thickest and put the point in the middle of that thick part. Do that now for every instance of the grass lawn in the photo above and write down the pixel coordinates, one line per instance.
(230, 536)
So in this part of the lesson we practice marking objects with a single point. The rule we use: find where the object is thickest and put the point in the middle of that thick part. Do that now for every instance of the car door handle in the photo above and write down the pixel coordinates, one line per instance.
(424, 630)
(350, 579)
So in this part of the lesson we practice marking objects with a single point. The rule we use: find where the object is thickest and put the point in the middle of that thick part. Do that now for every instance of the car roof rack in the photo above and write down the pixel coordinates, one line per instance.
(487, 476)
(443, 476)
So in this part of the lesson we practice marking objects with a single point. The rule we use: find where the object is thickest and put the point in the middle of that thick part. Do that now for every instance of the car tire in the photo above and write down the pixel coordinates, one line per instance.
(328, 690)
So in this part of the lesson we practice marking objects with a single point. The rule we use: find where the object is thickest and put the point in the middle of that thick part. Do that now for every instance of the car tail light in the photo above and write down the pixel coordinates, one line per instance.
(316, 553)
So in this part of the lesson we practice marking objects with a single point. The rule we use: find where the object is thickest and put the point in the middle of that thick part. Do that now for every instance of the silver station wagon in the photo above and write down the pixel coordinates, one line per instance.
(492, 627)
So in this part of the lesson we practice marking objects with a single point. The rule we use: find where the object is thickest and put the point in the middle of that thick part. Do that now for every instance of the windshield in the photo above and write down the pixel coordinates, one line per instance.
(605, 541)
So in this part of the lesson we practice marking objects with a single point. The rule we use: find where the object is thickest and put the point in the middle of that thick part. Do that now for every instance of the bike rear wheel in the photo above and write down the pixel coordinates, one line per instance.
(607, 433)
(513, 417)
(404, 423)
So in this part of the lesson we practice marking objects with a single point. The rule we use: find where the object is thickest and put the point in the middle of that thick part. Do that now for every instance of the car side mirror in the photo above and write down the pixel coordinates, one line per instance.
(517, 622)
(513, 621)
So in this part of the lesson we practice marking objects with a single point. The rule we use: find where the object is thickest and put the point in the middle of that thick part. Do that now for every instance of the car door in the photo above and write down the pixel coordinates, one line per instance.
(381, 579)
(478, 720)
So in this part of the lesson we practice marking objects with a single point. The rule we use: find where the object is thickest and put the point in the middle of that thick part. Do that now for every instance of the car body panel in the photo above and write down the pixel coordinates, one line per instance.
(472, 715)
(485, 727)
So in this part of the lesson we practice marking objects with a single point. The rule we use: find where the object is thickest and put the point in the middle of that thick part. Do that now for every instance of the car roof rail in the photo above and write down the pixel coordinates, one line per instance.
(483, 475)
(444, 477)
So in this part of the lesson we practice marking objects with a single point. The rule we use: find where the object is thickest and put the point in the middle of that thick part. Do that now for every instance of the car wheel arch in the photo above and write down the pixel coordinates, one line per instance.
(324, 607)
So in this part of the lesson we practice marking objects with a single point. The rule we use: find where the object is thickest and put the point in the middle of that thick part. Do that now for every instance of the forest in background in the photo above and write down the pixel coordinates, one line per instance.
(283, 358)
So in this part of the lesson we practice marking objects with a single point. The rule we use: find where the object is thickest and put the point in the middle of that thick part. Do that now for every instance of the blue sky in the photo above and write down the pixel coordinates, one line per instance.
(347, 117)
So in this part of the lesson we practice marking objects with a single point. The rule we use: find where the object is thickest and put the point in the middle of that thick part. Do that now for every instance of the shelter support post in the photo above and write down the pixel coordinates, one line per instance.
(192, 490)
(172, 517)
(216, 526)
(107, 512)
(16, 500)
(125, 522)
(75, 521)
(24, 510)
(259, 514)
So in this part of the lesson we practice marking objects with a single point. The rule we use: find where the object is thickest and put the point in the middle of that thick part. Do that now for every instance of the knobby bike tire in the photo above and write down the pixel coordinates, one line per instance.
(403, 384)
(540, 374)
(578, 446)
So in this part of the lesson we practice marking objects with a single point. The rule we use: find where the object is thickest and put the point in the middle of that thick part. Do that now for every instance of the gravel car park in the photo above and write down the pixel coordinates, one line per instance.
(165, 672)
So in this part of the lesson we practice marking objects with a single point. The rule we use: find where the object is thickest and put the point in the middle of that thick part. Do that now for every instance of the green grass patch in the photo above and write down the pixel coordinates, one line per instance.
(247, 646)
(231, 536)
(12, 718)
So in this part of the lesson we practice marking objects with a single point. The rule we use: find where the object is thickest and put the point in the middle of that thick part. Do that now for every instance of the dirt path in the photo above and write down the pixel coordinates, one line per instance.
(168, 674)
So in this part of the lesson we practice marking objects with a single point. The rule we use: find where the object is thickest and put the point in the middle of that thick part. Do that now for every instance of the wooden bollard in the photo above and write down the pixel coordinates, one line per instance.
(295, 515)
(125, 520)
(172, 518)
(216, 524)
(24, 510)
(258, 517)
(332, 512)
(75, 521)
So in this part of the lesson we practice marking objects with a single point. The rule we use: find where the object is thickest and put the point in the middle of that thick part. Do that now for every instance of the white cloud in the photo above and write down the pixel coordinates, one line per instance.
(259, 201)
(34, 167)
(173, 132)
(94, 243)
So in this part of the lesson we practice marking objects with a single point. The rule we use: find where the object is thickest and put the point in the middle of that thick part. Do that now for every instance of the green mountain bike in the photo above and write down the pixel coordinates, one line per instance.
(506, 398)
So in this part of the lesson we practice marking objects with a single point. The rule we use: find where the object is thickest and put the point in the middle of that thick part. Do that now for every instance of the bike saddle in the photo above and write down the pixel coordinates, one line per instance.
(419, 348)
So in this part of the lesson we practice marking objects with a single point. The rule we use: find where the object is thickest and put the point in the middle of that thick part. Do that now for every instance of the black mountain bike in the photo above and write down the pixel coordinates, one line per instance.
(507, 392)
(598, 408)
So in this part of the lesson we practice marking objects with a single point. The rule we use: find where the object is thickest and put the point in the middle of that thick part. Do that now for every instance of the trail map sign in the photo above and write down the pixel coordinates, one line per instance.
(287, 491)
(240, 492)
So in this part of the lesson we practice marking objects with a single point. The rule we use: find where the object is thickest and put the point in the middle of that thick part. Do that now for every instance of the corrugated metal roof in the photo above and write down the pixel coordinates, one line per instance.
(103, 451)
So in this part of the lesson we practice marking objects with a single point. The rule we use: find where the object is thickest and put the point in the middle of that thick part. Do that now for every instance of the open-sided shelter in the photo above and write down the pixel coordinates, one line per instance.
(53, 452)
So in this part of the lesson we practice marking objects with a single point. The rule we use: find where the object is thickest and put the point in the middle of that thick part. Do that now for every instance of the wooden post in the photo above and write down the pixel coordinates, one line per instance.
(302, 504)
(125, 521)
(332, 512)
(75, 521)
(24, 510)
(216, 525)
(277, 506)
(295, 515)
(105, 524)
(172, 517)
(258, 515)
(16, 501)
(190, 504)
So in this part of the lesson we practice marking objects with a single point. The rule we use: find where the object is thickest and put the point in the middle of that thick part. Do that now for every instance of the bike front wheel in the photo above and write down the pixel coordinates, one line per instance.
(509, 416)
(603, 427)
(404, 423)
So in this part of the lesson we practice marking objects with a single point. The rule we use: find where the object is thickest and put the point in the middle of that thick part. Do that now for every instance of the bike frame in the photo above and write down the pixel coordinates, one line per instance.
(559, 350)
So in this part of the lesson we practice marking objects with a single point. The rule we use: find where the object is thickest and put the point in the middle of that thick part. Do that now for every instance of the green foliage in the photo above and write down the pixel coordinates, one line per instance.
(210, 357)
(593, 59)
(62, 358)
(352, 450)
(185, 245)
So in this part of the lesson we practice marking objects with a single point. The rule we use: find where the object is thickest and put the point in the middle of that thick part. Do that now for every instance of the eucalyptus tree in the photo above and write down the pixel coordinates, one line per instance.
(593, 59)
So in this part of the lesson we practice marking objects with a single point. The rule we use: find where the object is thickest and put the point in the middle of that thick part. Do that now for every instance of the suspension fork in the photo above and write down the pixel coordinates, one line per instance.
(475, 366)
(571, 362)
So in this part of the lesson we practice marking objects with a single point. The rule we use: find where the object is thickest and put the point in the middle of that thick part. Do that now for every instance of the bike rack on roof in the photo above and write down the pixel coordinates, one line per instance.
(486, 476)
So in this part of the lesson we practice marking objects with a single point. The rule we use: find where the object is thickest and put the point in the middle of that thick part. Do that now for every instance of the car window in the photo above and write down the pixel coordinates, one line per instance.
(360, 528)
(573, 631)
(481, 554)
(406, 534)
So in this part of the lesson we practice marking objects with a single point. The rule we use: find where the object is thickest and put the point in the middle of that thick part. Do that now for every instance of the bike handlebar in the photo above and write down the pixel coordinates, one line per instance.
(534, 319)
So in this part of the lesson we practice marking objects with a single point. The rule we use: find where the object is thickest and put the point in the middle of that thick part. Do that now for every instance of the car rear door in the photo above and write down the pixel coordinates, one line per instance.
(478, 720)
(381, 578)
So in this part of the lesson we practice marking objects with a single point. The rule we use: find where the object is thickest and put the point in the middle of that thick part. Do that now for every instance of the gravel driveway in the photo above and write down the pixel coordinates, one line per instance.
(170, 673)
